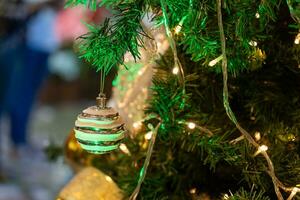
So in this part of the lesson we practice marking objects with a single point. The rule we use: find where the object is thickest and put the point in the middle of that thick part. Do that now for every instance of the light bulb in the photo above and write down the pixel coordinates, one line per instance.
(260, 149)
(263, 148)
(226, 196)
(148, 135)
(193, 191)
(257, 15)
(191, 125)
(257, 136)
(179, 26)
(253, 43)
(178, 29)
(175, 70)
(124, 148)
(108, 178)
(297, 39)
(137, 125)
(215, 61)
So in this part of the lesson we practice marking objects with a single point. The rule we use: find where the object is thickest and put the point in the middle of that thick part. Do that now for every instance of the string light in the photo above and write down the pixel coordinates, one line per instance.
(191, 125)
(262, 148)
(108, 179)
(253, 43)
(257, 15)
(297, 39)
(179, 26)
(293, 193)
(226, 196)
(193, 191)
(175, 70)
(137, 125)
(159, 44)
(257, 136)
(215, 61)
(148, 135)
(140, 72)
(124, 149)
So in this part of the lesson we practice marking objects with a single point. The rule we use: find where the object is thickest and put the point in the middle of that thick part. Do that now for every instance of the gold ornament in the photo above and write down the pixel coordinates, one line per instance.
(91, 184)
(75, 156)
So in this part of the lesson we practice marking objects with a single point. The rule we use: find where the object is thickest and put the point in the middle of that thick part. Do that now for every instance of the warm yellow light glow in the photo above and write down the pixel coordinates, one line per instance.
(191, 125)
(253, 43)
(179, 26)
(257, 136)
(226, 196)
(297, 39)
(215, 61)
(178, 29)
(108, 179)
(175, 70)
(159, 44)
(137, 125)
(261, 148)
(124, 148)
(257, 15)
(148, 135)
(193, 191)
(140, 72)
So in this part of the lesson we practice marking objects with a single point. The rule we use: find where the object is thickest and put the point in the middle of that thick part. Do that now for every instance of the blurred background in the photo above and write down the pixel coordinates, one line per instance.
(43, 87)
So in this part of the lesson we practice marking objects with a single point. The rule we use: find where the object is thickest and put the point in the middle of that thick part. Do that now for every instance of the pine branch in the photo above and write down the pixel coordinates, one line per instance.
(248, 195)
(104, 46)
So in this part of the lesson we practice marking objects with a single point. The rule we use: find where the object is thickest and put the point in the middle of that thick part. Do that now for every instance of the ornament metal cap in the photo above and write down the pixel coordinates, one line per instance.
(101, 101)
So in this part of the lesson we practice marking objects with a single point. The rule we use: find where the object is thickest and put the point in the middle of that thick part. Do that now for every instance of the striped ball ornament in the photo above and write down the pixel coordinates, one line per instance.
(99, 129)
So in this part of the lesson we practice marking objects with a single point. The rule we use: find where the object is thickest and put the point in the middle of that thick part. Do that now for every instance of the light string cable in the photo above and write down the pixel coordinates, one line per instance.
(143, 171)
(177, 63)
(154, 131)
(277, 184)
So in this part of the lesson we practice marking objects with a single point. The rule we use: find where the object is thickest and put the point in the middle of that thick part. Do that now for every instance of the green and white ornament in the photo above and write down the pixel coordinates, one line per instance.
(99, 129)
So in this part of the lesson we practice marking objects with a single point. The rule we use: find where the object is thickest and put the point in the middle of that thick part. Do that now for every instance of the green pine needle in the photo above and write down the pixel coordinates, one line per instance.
(104, 46)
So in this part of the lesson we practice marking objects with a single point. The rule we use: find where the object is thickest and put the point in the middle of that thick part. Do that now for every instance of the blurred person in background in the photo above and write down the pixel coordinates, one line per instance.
(24, 54)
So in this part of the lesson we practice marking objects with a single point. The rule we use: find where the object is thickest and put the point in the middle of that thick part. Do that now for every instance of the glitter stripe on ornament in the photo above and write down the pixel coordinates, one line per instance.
(99, 149)
(99, 143)
(99, 137)
(99, 129)
(102, 131)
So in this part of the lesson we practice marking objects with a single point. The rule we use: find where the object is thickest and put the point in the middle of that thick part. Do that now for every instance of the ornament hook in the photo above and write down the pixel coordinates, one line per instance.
(101, 101)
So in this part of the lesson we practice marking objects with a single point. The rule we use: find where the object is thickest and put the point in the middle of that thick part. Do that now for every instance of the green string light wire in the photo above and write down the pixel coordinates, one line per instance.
(143, 171)
(277, 184)
(177, 63)
(172, 43)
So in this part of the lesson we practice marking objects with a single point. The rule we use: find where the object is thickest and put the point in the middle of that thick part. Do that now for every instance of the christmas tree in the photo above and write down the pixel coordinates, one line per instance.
(222, 118)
